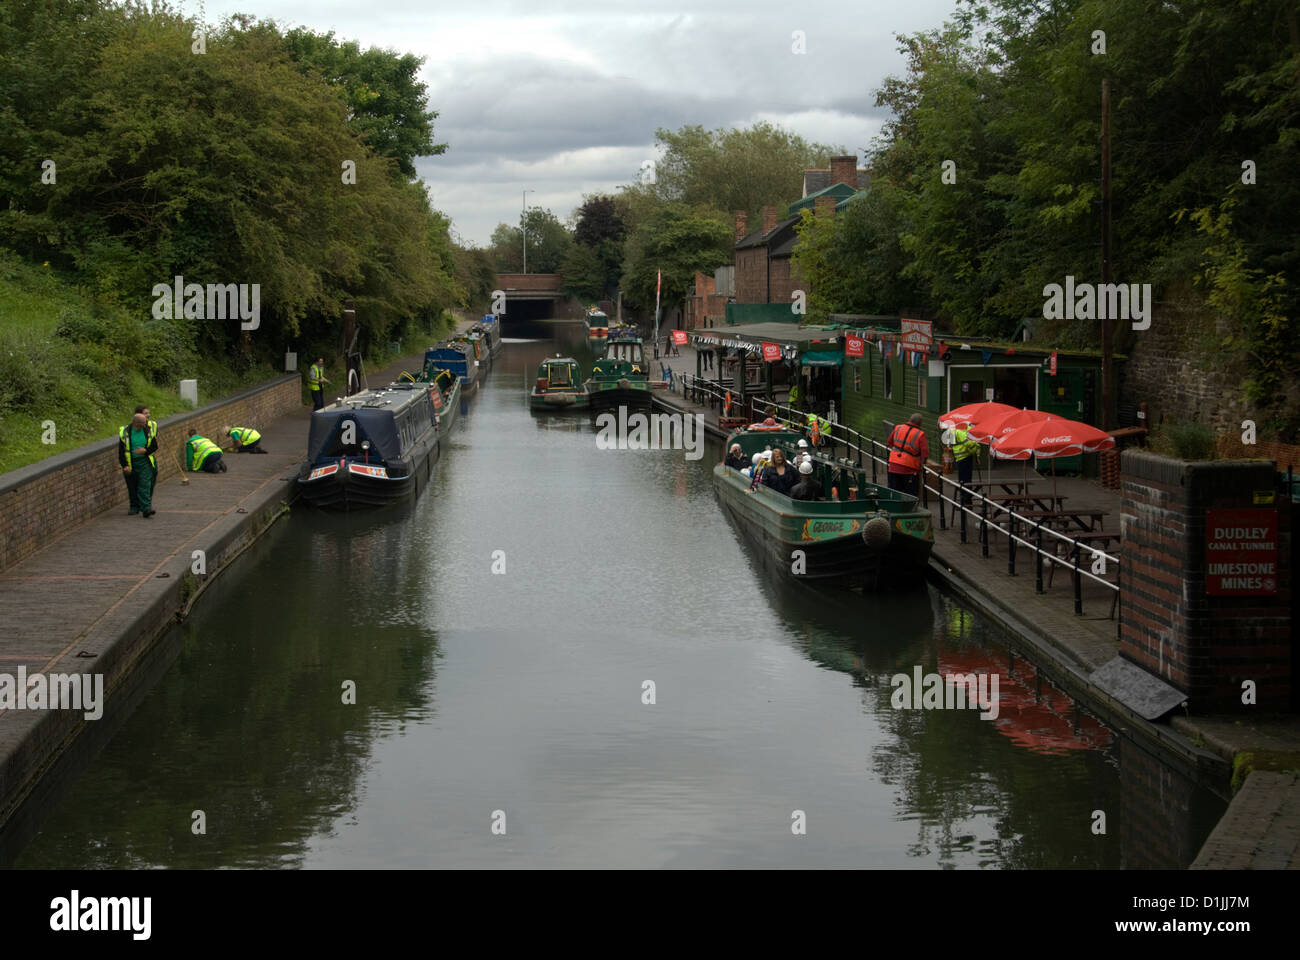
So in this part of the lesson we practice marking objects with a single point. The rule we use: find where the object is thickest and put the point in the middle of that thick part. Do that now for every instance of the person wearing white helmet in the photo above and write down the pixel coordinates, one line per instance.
(806, 488)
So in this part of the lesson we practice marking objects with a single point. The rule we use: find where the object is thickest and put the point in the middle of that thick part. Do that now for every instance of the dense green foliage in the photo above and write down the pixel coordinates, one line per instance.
(593, 265)
(135, 148)
(548, 243)
(1009, 92)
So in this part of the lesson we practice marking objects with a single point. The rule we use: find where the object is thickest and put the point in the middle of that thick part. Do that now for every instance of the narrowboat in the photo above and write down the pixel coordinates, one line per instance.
(444, 390)
(491, 326)
(371, 449)
(559, 386)
(457, 357)
(477, 342)
(620, 377)
(877, 538)
(597, 323)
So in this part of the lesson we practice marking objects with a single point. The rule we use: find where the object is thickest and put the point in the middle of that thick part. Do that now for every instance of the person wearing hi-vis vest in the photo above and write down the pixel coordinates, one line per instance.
(315, 380)
(908, 451)
(247, 440)
(819, 430)
(964, 450)
(202, 454)
(135, 448)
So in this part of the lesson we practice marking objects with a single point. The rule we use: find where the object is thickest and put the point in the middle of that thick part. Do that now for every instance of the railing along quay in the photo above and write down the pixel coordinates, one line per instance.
(1077, 557)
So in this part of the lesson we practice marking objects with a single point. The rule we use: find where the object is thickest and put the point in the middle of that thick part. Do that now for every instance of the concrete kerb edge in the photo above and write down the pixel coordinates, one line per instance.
(123, 641)
(1070, 676)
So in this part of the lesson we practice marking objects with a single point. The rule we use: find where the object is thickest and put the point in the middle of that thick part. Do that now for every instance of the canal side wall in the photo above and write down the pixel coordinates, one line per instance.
(43, 501)
(1206, 646)
(34, 739)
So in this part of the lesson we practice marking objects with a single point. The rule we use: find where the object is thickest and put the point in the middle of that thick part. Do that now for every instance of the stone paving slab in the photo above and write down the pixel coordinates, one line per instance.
(1261, 828)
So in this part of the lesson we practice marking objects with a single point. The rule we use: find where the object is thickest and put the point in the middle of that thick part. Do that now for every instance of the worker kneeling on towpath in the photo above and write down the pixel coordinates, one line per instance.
(247, 440)
(202, 454)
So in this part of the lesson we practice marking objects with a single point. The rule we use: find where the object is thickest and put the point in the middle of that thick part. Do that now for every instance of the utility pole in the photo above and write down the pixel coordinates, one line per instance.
(523, 226)
(1107, 324)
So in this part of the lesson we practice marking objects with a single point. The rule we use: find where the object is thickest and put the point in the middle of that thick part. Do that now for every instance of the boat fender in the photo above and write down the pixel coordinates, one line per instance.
(876, 533)
(624, 384)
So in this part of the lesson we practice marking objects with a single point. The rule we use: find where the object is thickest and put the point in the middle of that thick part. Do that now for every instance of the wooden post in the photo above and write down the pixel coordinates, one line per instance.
(1107, 325)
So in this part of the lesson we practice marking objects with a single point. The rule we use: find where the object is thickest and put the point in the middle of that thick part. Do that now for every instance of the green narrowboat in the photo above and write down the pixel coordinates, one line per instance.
(621, 377)
(597, 323)
(877, 538)
(559, 386)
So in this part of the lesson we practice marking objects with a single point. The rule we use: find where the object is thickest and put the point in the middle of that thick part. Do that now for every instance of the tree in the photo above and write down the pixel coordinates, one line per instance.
(678, 241)
(592, 266)
(386, 104)
(548, 242)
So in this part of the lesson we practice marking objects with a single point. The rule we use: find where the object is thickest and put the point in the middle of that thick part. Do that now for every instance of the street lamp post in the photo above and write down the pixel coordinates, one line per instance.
(523, 225)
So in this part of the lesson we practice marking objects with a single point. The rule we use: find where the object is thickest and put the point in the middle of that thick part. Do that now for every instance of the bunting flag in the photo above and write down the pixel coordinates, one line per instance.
(943, 350)
(987, 355)
(916, 358)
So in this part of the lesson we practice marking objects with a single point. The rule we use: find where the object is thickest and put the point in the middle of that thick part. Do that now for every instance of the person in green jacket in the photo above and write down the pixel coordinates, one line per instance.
(247, 440)
(136, 444)
(202, 454)
(964, 450)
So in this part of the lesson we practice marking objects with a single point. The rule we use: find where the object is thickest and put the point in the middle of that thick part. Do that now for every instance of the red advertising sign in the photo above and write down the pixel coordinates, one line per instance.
(771, 351)
(1051, 370)
(1240, 553)
(854, 346)
(917, 335)
(679, 337)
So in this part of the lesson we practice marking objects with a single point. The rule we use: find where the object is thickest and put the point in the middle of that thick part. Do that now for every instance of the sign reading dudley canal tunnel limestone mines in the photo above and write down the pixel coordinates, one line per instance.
(1240, 553)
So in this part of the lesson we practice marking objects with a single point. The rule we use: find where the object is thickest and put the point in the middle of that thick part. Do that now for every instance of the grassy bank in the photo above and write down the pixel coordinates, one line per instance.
(79, 362)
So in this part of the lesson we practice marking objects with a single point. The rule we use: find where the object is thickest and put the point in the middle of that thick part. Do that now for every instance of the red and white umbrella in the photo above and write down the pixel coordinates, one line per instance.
(1051, 438)
(970, 413)
(989, 429)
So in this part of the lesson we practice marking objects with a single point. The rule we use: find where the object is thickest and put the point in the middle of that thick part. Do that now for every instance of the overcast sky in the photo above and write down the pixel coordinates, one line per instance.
(563, 98)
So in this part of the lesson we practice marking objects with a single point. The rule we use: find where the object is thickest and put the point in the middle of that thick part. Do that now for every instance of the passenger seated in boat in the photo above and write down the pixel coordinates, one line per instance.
(806, 488)
(780, 476)
(735, 459)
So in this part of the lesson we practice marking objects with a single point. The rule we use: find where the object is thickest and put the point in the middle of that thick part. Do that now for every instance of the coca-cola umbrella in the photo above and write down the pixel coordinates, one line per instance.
(990, 428)
(973, 412)
(1049, 439)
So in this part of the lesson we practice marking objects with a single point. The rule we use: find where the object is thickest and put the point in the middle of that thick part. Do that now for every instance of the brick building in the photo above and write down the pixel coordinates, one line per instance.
(764, 273)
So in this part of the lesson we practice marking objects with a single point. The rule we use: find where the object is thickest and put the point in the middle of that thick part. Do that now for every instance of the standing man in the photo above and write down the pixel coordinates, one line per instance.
(963, 451)
(135, 449)
(908, 451)
(315, 378)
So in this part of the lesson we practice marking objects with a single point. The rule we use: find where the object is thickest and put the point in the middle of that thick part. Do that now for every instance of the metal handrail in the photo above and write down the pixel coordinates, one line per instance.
(867, 447)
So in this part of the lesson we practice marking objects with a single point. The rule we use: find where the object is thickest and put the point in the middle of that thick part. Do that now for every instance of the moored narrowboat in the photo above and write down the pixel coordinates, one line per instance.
(457, 357)
(444, 390)
(371, 449)
(620, 378)
(491, 326)
(876, 538)
(559, 386)
(478, 343)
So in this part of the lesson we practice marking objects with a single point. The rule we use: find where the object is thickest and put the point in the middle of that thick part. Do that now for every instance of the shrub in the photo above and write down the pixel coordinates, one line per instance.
(1186, 441)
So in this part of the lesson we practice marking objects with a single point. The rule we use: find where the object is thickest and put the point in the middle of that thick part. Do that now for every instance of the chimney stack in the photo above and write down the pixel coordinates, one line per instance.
(769, 219)
(824, 206)
(742, 219)
(845, 170)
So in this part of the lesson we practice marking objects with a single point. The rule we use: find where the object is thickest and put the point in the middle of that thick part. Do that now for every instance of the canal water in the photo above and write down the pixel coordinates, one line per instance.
(500, 718)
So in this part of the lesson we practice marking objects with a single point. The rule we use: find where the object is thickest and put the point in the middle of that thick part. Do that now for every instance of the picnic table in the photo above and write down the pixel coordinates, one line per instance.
(1052, 503)
(1011, 488)
(1087, 519)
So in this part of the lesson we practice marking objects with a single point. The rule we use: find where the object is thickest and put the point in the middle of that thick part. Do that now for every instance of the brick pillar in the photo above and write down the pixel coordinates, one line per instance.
(824, 206)
(1204, 645)
(769, 219)
(742, 219)
(844, 170)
